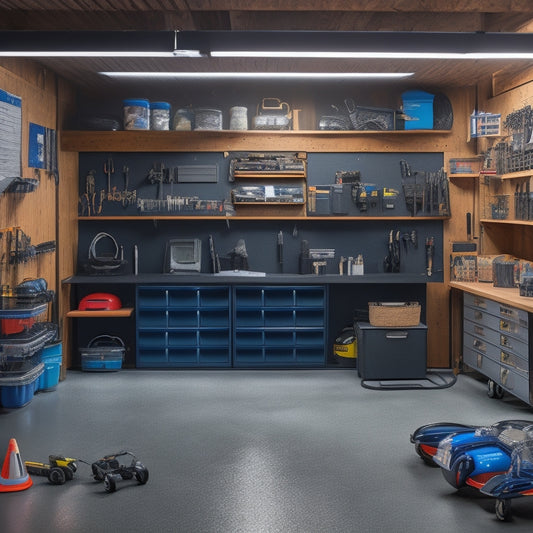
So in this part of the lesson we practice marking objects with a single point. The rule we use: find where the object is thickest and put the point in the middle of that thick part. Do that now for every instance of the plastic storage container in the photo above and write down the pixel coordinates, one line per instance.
(18, 391)
(238, 118)
(136, 114)
(160, 116)
(183, 120)
(52, 359)
(103, 353)
(418, 108)
(207, 119)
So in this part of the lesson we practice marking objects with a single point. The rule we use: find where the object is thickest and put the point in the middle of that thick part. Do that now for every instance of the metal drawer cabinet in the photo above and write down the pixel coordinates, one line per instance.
(496, 343)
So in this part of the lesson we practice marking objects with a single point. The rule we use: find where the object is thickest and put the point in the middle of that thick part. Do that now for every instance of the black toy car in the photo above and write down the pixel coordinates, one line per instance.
(110, 471)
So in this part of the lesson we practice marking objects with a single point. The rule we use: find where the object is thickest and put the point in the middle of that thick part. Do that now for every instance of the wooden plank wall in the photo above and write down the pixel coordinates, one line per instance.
(48, 213)
(507, 238)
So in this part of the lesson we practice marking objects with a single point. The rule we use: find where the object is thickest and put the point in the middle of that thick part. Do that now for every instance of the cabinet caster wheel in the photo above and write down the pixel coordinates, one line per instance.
(494, 390)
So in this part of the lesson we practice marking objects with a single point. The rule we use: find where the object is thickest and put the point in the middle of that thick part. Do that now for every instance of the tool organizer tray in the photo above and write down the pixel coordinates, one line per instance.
(26, 343)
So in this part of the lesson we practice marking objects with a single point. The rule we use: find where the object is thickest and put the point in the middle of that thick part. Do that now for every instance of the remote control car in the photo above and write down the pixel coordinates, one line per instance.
(515, 483)
(110, 471)
(60, 469)
(497, 459)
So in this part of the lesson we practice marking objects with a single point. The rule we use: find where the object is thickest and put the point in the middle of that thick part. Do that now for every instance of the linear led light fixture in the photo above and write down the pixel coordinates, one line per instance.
(259, 75)
(92, 44)
(348, 45)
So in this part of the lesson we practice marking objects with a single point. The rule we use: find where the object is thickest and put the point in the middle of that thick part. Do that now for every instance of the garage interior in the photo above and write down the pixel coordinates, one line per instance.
(270, 449)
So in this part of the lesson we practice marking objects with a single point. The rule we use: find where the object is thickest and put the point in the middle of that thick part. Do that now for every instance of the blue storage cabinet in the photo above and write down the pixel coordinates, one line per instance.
(183, 326)
(279, 326)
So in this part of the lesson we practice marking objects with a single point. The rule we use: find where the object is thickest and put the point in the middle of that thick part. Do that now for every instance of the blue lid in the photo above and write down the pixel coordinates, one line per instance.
(159, 105)
(417, 95)
(145, 103)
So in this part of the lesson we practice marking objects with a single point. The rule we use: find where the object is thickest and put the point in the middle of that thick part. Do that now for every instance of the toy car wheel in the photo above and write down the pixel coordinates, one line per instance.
(494, 390)
(98, 474)
(110, 483)
(503, 510)
(459, 472)
(141, 474)
(56, 476)
(69, 473)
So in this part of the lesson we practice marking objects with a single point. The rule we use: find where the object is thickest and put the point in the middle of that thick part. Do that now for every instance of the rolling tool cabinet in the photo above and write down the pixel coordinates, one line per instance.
(496, 343)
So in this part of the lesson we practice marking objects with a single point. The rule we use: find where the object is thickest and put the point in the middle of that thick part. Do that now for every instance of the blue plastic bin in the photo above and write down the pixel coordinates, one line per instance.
(418, 108)
(52, 358)
(18, 391)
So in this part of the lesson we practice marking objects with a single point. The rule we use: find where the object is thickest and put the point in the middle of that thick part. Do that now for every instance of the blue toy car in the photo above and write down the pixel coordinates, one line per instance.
(475, 455)
(515, 483)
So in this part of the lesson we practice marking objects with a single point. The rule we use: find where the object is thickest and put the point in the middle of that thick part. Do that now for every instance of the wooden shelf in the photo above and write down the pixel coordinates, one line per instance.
(252, 140)
(238, 217)
(124, 312)
(517, 175)
(507, 221)
(465, 175)
(240, 174)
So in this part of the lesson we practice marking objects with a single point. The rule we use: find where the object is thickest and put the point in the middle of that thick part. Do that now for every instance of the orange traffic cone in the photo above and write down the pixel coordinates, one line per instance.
(14, 476)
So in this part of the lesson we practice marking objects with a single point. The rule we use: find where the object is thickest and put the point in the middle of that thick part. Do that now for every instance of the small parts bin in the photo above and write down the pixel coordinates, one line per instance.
(103, 353)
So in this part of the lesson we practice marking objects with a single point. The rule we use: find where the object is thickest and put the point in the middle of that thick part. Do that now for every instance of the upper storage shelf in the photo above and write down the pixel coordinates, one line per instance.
(228, 140)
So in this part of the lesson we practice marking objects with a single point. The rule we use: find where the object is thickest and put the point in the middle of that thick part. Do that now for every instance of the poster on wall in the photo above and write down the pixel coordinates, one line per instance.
(10, 138)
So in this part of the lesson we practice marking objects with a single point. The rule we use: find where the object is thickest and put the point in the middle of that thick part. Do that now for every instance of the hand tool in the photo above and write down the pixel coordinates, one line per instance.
(387, 263)
(430, 250)
(108, 170)
(280, 250)
(125, 197)
(396, 253)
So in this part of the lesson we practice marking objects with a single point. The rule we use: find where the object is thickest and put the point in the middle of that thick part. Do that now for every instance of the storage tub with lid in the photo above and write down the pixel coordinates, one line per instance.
(136, 114)
(159, 116)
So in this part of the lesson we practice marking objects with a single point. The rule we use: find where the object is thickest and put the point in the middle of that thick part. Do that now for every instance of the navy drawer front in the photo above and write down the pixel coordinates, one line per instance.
(391, 353)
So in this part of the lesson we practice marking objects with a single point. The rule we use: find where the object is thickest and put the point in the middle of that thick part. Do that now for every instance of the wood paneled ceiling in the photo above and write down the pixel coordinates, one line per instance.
(327, 15)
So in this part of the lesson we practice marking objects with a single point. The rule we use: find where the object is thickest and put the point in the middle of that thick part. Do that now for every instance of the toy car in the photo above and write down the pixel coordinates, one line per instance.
(60, 469)
(515, 483)
(110, 471)
(476, 455)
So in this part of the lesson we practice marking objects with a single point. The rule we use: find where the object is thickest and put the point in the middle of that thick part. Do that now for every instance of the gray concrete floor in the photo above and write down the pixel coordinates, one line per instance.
(249, 451)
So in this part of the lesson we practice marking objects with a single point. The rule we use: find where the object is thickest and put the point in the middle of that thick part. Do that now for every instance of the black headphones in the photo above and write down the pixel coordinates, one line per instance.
(107, 262)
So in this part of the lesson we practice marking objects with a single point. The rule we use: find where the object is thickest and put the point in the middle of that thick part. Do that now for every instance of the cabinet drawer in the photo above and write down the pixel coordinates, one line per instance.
(481, 345)
(482, 363)
(486, 334)
(514, 383)
(497, 309)
(518, 363)
(497, 323)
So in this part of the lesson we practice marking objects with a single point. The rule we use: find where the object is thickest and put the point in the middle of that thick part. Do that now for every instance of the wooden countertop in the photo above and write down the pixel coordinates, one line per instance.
(506, 296)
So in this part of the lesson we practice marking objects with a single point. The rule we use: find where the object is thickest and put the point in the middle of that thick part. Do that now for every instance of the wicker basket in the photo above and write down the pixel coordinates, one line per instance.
(394, 314)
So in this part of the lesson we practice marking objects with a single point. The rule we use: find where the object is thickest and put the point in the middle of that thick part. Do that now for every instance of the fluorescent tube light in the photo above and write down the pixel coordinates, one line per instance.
(371, 55)
(258, 75)
(93, 53)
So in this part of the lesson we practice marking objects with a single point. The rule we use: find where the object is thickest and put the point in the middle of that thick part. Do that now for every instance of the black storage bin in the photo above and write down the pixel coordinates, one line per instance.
(391, 353)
